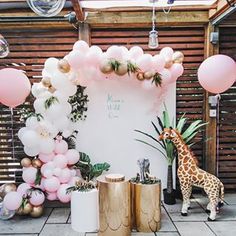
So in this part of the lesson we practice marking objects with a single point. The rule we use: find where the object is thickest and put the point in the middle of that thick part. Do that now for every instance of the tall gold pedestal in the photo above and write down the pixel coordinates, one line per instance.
(146, 207)
(114, 208)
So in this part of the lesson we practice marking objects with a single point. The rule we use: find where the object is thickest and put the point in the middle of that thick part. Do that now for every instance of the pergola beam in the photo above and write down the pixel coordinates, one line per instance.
(78, 10)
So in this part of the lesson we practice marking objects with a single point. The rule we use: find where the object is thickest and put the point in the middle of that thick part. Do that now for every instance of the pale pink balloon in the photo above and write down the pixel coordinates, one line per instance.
(62, 195)
(73, 172)
(46, 157)
(41, 185)
(217, 73)
(148, 85)
(166, 77)
(72, 156)
(23, 189)
(65, 175)
(52, 184)
(29, 175)
(14, 87)
(167, 52)
(81, 46)
(145, 62)
(115, 52)
(12, 201)
(37, 198)
(52, 196)
(135, 52)
(57, 171)
(48, 173)
(176, 70)
(76, 60)
(94, 55)
(61, 147)
(48, 166)
(158, 63)
(60, 161)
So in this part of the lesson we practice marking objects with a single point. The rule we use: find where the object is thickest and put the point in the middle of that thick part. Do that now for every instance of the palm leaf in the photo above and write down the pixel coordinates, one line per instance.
(160, 123)
(181, 123)
(192, 128)
(159, 132)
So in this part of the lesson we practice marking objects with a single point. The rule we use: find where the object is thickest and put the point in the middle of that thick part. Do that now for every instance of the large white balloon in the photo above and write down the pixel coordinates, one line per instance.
(31, 151)
(32, 122)
(30, 138)
(47, 145)
(39, 105)
(51, 64)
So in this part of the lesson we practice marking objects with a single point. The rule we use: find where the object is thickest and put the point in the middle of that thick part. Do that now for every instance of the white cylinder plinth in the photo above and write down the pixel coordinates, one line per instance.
(84, 211)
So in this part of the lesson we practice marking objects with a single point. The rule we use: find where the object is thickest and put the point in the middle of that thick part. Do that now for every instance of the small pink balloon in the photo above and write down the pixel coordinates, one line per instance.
(73, 172)
(167, 52)
(52, 196)
(61, 147)
(48, 166)
(81, 46)
(76, 60)
(145, 62)
(217, 73)
(23, 189)
(158, 62)
(57, 171)
(52, 184)
(14, 87)
(65, 175)
(48, 173)
(72, 156)
(12, 201)
(60, 161)
(46, 157)
(176, 70)
(115, 52)
(94, 55)
(62, 195)
(41, 185)
(166, 77)
(135, 52)
(29, 175)
(37, 198)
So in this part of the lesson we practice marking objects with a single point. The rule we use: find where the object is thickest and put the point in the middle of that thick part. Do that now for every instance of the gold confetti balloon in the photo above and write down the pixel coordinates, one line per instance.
(178, 57)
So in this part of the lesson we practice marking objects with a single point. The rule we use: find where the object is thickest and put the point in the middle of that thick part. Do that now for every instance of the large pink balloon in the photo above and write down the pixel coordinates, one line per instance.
(12, 200)
(14, 87)
(37, 198)
(62, 195)
(29, 175)
(72, 156)
(176, 70)
(46, 157)
(217, 73)
(23, 189)
(61, 147)
(52, 184)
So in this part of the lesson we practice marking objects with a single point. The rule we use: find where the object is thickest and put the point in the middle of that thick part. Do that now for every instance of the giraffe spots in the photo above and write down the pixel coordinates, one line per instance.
(200, 176)
(186, 167)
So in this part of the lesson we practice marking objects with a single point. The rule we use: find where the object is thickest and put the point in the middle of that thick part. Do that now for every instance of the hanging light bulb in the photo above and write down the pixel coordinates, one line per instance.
(153, 34)
(4, 47)
(46, 8)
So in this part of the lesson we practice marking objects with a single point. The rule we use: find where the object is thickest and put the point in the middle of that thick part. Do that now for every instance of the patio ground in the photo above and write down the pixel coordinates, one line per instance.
(56, 221)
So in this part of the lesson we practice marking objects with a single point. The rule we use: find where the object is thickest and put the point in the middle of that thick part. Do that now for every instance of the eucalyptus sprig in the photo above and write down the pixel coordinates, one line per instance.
(38, 177)
(82, 186)
(157, 79)
(50, 101)
(25, 113)
(115, 64)
(132, 68)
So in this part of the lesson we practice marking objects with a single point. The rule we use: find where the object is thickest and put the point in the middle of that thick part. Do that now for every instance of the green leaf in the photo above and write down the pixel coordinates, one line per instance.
(84, 158)
(159, 132)
(181, 123)
(192, 128)
(98, 169)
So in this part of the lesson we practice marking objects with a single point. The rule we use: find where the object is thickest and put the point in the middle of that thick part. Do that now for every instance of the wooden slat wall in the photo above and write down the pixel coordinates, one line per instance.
(29, 49)
(190, 41)
(227, 152)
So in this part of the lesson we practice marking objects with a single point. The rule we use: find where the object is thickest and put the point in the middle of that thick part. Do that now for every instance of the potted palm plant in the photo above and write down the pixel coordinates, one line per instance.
(84, 197)
(166, 147)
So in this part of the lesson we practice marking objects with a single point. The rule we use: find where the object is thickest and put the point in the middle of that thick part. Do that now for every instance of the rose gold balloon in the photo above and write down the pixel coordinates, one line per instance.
(46, 81)
(36, 163)
(169, 63)
(140, 76)
(148, 75)
(26, 162)
(27, 209)
(37, 211)
(7, 188)
(63, 66)
(178, 57)
(51, 89)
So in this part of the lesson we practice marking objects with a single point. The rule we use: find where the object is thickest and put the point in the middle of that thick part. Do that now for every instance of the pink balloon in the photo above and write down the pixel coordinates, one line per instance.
(93, 56)
(37, 198)
(52, 184)
(48, 173)
(176, 70)
(60, 161)
(81, 46)
(115, 52)
(61, 147)
(46, 157)
(23, 189)
(29, 175)
(52, 196)
(57, 171)
(48, 166)
(135, 52)
(166, 77)
(76, 60)
(167, 52)
(72, 156)
(158, 63)
(145, 62)
(147, 84)
(62, 195)
(217, 73)
(12, 201)
(14, 87)
(65, 175)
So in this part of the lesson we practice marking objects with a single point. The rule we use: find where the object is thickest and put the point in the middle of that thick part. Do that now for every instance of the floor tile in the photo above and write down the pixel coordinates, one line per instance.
(230, 198)
(166, 223)
(226, 228)
(227, 212)
(59, 229)
(24, 225)
(59, 215)
(193, 229)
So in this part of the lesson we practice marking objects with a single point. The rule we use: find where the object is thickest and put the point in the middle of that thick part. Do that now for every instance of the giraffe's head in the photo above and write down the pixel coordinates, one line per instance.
(168, 133)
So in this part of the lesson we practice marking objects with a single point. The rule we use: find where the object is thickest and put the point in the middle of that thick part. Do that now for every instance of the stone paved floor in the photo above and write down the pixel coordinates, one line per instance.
(56, 221)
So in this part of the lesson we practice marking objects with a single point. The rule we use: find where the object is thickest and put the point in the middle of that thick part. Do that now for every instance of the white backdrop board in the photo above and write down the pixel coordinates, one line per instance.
(115, 109)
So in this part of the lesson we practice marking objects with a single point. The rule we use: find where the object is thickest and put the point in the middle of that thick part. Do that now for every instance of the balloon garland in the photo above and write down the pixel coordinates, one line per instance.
(60, 104)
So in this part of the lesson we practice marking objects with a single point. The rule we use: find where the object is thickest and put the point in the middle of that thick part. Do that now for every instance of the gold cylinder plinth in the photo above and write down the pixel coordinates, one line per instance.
(114, 208)
(146, 207)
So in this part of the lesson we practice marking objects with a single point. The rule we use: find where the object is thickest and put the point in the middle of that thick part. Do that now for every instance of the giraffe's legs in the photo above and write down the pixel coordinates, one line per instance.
(208, 208)
(186, 192)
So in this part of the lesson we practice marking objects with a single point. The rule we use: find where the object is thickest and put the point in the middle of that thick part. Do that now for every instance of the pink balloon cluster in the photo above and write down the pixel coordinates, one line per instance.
(14, 87)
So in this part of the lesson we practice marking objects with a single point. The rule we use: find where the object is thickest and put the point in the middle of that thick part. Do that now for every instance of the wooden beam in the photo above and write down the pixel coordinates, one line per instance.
(78, 10)
(135, 19)
(210, 146)
(85, 33)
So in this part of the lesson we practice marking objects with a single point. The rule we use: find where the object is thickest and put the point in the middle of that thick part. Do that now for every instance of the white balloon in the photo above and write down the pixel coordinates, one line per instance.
(62, 123)
(54, 111)
(37, 89)
(32, 122)
(31, 151)
(67, 132)
(51, 64)
(21, 131)
(39, 105)
(69, 90)
(60, 96)
(59, 80)
(47, 130)
(47, 145)
(30, 138)
(67, 108)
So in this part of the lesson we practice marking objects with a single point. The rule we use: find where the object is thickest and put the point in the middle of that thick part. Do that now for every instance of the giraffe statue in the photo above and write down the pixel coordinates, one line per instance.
(190, 174)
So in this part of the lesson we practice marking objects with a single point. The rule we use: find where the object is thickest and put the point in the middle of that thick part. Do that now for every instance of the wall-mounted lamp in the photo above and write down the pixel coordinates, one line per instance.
(153, 34)
(4, 47)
